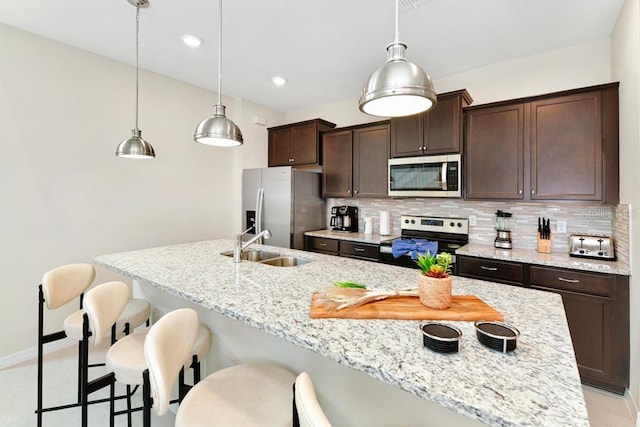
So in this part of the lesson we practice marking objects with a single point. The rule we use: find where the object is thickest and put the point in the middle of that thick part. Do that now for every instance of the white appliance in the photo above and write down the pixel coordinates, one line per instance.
(426, 176)
(284, 200)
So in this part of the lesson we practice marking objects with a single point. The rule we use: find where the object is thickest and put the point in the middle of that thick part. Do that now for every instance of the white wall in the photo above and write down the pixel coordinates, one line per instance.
(67, 198)
(573, 67)
(625, 67)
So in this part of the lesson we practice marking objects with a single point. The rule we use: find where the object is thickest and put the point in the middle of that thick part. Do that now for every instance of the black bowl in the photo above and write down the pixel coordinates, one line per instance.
(440, 337)
(497, 335)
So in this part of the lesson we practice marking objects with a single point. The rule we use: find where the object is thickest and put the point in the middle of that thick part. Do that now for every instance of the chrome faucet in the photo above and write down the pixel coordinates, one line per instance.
(240, 246)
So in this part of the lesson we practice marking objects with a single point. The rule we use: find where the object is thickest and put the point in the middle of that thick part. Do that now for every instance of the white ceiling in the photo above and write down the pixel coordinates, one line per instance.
(325, 48)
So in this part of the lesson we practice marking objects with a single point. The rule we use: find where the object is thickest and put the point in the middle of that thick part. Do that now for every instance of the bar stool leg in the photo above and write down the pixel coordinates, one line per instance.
(146, 399)
(40, 354)
(112, 404)
(128, 405)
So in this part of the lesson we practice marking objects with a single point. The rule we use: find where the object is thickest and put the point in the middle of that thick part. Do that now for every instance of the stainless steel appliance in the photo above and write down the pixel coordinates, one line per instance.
(504, 223)
(595, 247)
(344, 218)
(284, 200)
(426, 176)
(450, 233)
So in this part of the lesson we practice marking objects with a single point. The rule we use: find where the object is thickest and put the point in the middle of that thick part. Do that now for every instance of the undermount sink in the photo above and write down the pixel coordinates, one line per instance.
(251, 255)
(285, 261)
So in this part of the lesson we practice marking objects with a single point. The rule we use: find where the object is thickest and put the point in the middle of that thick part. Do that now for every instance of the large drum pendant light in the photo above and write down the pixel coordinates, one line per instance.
(399, 87)
(135, 147)
(218, 130)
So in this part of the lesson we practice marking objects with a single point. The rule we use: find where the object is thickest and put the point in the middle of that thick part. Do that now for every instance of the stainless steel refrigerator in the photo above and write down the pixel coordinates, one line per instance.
(286, 201)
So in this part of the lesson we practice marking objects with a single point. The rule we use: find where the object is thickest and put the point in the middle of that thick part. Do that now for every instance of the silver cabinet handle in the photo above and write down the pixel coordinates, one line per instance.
(519, 191)
(489, 268)
(322, 244)
(358, 249)
(355, 191)
(533, 191)
(348, 191)
(562, 279)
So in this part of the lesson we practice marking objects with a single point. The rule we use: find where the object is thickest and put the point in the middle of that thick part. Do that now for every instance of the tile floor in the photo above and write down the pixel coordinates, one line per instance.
(18, 397)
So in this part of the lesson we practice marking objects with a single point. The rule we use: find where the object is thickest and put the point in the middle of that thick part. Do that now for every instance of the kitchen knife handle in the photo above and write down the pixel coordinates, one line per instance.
(562, 279)
(489, 268)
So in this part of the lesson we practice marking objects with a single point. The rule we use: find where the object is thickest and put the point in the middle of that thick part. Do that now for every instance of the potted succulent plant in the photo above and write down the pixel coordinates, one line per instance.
(434, 283)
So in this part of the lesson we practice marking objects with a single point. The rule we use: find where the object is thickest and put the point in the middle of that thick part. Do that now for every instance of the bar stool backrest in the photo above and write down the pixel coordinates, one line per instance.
(103, 305)
(65, 283)
(167, 345)
(309, 411)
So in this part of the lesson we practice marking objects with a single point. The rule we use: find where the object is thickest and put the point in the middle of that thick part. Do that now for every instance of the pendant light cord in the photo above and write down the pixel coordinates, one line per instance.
(397, 40)
(220, 52)
(137, 72)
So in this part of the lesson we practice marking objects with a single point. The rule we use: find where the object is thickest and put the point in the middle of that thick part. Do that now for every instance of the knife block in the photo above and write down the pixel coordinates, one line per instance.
(544, 245)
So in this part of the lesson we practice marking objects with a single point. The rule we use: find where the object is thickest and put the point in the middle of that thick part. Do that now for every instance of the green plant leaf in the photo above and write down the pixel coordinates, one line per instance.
(349, 285)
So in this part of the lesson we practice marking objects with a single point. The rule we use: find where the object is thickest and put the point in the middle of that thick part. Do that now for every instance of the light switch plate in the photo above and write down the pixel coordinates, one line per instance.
(561, 226)
(472, 220)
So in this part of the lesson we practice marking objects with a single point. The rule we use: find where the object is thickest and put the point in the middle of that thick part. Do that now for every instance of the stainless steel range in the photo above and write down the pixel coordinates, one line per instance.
(450, 233)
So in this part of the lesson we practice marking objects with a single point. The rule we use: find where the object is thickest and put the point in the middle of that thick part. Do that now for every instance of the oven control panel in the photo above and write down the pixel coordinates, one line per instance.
(434, 224)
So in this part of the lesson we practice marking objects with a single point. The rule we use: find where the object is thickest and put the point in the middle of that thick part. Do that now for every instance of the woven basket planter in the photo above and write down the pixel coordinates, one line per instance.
(435, 293)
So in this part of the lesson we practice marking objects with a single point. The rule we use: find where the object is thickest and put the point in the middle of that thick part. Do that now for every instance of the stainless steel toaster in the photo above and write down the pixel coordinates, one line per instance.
(595, 247)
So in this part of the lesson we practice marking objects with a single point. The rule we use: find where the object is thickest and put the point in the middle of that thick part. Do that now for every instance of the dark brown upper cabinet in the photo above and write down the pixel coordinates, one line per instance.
(296, 143)
(437, 131)
(560, 146)
(355, 161)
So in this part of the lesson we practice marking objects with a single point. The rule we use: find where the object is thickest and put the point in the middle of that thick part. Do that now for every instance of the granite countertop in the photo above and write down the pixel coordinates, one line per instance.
(553, 259)
(536, 385)
(352, 236)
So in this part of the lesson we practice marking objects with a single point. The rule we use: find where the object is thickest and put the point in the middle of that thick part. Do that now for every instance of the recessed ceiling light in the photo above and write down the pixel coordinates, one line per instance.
(278, 80)
(191, 40)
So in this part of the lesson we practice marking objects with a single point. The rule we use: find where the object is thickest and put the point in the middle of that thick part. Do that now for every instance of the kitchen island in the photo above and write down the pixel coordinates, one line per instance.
(369, 372)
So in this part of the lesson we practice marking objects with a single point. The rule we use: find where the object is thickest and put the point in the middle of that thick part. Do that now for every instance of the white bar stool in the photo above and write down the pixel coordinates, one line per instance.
(126, 360)
(59, 287)
(307, 410)
(103, 306)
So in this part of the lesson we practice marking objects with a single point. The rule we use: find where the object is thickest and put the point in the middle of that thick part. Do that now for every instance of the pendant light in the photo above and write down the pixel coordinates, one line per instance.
(399, 87)
(218, 130)
(135, 147)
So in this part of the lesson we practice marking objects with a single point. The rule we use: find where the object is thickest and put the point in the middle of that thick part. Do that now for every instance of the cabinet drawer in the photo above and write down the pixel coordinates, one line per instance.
(498, 271)
(320, 244)
(569, 280)
(359, 250)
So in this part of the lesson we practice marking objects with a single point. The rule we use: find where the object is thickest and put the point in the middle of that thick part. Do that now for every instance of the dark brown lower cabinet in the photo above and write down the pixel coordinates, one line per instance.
(345, 248)
(365, 251)
(321, 245)
(597, 309)
(511, 273)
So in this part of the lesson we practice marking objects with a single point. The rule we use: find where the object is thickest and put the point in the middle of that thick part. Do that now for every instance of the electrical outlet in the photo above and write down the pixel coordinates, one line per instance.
(472, 220)
(561, 226)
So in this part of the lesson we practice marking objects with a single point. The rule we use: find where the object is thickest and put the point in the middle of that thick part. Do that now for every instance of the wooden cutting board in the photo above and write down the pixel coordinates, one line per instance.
(463, 308)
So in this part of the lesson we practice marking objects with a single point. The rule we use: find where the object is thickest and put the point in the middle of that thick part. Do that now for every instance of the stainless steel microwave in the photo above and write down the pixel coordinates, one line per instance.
(426, 176)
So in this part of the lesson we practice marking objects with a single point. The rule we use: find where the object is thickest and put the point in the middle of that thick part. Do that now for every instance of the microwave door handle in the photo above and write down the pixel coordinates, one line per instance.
(444, 176)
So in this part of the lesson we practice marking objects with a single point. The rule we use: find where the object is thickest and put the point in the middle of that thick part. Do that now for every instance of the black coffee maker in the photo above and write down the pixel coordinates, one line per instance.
(344, 218)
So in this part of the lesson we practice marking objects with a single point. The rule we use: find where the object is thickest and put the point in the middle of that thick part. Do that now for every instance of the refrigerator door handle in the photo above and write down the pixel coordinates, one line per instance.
(259, 203)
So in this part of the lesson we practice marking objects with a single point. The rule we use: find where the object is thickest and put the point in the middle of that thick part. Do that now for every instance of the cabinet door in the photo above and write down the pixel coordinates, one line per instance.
(305, 144)
(406, 136)
(338, 158)
(442, 127)
(494, 152)
(566, 148)
(590, 321)
(370, 161)
(280, 147)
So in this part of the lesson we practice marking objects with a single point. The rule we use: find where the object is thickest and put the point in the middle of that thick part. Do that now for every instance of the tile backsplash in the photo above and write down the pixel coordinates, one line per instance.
(581, 219)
